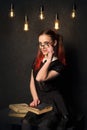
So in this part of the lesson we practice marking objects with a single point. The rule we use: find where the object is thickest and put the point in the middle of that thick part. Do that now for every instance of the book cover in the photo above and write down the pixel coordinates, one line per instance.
(41, 108)
(24, 108)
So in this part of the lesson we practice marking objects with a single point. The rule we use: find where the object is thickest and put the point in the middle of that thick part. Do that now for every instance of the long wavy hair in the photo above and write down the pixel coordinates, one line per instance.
(58, 49)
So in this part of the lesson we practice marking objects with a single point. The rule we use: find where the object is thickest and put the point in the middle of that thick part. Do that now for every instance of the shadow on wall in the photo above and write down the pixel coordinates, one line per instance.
(70, 85)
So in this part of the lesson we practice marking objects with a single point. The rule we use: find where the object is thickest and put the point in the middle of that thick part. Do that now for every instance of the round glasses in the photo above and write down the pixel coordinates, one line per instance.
(45, 44)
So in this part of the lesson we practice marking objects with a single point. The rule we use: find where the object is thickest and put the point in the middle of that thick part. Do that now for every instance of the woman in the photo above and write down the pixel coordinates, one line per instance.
(45, 75)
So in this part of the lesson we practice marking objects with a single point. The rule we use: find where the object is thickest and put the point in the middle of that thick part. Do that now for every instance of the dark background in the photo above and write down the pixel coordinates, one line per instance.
(18, 48)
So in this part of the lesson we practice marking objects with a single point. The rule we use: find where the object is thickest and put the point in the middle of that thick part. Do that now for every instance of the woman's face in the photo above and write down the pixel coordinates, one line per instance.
(44, 41)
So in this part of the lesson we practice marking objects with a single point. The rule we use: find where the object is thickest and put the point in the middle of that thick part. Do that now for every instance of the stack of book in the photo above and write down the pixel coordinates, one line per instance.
(20, 110)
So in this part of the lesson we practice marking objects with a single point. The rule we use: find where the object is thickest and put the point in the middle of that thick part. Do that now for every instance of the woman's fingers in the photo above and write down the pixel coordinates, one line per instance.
(34, 103)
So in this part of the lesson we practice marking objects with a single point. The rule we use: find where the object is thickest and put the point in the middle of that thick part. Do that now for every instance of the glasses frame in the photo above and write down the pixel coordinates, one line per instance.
(45, 44)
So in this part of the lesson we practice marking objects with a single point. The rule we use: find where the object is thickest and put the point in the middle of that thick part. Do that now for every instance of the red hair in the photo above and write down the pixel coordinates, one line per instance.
(61, 51)
(38, 60)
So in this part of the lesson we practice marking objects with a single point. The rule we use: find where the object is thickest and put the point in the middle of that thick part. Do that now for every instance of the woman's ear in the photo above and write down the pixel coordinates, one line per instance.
(55, 43)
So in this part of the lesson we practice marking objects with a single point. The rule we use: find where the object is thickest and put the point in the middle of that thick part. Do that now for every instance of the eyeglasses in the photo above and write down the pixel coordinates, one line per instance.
(45, 44)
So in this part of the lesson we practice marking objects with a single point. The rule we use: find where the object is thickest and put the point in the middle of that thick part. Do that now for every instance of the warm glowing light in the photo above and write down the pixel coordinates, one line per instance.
(73, 13)
(12, 12)
(41, 13)
(26, 26)
(56, 24)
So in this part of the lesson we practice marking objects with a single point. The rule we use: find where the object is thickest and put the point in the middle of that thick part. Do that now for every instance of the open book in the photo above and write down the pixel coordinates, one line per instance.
(24, 108)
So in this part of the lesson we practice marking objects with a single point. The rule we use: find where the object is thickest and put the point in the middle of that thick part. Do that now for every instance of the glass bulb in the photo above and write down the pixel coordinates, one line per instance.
(26, 26)
(41, 13)
(73, 13)
(12, 12)
(56, 24)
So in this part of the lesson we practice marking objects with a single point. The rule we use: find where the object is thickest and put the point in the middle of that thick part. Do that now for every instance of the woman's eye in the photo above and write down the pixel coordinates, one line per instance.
(47, 43)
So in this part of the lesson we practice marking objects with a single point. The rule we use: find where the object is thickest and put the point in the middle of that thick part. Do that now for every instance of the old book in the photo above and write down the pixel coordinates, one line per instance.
(19, 108)
(24, 108)
(41, 108)
(16, 114)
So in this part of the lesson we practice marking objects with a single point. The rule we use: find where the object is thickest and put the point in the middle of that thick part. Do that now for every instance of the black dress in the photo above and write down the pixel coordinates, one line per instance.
(48, 92)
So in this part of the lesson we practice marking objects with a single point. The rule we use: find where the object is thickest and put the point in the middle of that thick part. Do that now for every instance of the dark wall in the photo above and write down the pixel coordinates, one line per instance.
(18, 48)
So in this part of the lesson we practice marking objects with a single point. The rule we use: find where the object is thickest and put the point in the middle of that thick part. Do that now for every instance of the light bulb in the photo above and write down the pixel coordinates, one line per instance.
(26, 26)
(41, 16)
(73, 13)
(56, 23)
(12, 12)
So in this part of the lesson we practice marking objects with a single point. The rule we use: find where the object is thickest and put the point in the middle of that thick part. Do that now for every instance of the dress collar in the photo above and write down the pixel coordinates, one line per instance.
(53, 59)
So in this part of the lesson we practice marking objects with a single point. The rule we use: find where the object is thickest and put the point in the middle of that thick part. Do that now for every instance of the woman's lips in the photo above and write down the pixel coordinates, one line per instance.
(44, 51)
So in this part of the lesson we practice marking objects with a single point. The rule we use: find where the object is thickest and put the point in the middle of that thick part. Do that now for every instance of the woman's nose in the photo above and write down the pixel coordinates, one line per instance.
(43, 45)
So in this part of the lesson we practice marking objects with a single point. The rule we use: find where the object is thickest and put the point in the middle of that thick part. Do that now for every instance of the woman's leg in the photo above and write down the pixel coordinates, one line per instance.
(43, 126)
(25, 125)
(49, 123)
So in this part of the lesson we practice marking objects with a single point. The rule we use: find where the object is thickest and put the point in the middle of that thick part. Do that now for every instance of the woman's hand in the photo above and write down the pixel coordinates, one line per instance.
(50, 52)
(35, 103)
